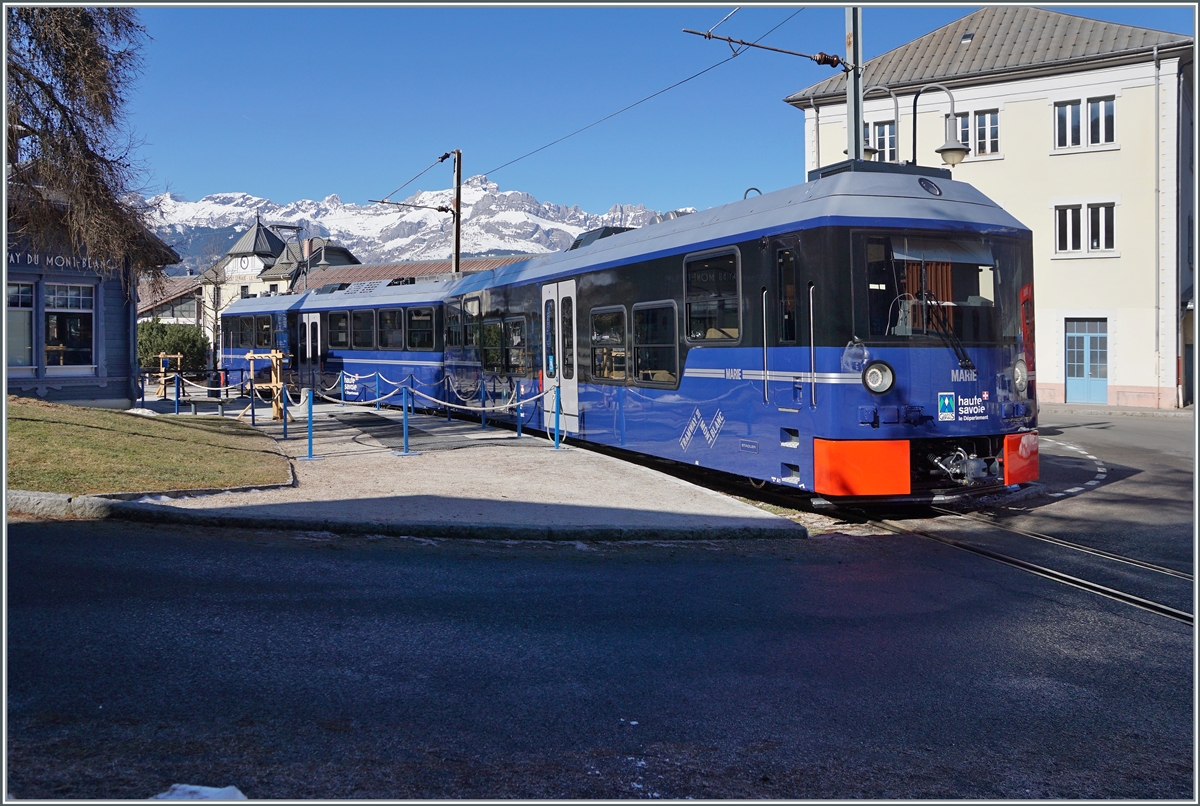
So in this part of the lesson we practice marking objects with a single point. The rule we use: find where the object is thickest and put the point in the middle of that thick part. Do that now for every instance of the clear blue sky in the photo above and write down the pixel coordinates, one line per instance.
(301, 102)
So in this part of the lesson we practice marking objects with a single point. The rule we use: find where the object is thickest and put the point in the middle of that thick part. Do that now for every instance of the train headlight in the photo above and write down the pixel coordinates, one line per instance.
(878, 377)
(1020, 375)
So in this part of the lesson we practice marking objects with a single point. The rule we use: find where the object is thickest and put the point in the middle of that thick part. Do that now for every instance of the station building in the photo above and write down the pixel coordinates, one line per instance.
(72, 326)
(1083, 130)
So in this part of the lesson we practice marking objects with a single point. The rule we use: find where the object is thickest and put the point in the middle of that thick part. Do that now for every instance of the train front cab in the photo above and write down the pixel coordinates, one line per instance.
(923, 382)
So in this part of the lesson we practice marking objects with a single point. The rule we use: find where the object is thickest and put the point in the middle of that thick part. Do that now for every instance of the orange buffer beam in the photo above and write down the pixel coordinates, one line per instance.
(861, 467)
(1020, 458)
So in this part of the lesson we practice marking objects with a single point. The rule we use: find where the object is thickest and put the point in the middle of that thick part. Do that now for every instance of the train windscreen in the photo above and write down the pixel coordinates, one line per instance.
(934, 286)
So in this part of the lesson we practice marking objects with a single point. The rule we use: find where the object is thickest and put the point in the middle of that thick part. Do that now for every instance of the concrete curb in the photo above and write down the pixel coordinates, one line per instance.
(58, 505)
(1104, 411)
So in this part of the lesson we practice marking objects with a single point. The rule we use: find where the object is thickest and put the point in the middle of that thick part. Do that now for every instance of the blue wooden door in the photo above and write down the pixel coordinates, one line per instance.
(1087, 360)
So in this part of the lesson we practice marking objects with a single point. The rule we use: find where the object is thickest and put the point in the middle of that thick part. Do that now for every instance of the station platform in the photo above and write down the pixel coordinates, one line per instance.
(461, 479)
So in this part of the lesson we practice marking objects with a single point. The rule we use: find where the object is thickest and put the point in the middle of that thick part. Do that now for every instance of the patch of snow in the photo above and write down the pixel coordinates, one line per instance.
(142, 412)
(192, 792)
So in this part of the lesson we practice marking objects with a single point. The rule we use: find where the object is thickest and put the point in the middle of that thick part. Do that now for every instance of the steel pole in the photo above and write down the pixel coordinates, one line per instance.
(457, 211)
(557, 415)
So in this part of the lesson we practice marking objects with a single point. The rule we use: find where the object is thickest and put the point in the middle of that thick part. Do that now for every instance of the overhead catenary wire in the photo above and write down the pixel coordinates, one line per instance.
(735, 54)
(440, 159)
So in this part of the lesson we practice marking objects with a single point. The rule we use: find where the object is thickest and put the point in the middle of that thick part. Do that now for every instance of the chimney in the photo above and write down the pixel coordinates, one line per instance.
(307, 248)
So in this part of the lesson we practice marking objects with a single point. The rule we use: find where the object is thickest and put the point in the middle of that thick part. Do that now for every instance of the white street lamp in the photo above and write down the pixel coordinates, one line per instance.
(952, 151)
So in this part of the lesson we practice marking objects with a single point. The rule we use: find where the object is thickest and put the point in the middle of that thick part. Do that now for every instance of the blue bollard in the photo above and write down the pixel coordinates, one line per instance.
(482, 403)
(342, 382)
(405, 393)
(378, 393)
(310, 457)
(557, 413)
(176, 392)
(283, 391)
(143, 391)
(252, 401)
(518, 409)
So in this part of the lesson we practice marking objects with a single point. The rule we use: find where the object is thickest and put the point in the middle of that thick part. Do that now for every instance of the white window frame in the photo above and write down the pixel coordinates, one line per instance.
(30, 311)
(1108, 134)
(962, 122)
(1085, 205)
(87, 305)
(1077, 105)
(991, 116)
(1105, 224)
(887, 152)
(1068, 229)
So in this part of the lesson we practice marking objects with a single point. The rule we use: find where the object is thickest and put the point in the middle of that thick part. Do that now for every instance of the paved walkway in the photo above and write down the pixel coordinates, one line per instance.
(465, 481)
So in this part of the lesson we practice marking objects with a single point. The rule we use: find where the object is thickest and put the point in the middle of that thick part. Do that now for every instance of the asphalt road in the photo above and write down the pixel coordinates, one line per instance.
(310, 666)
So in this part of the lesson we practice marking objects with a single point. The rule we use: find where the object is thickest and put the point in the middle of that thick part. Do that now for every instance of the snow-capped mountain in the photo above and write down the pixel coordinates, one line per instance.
(495, 222)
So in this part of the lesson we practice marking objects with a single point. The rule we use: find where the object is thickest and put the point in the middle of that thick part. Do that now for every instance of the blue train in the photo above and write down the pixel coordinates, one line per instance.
(866, 335)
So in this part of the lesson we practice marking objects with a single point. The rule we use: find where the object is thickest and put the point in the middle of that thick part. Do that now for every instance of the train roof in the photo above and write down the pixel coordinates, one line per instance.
(852, 193)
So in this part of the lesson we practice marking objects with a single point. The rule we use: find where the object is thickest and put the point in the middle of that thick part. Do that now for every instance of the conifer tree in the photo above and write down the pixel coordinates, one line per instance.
(71, 173)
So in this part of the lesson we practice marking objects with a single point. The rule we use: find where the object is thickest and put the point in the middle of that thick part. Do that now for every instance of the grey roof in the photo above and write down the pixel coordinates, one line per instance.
(151, 294)
(1007, 41)
(258, 240)
(286, 265)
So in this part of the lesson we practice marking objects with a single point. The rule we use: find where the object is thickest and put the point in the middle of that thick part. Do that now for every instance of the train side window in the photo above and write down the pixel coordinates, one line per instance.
(362, 332)
(391, 329)
(493, 347)
(786, 262)
(655, 355)
(339, 330)
(551, 369)
(262, 329)
(471, 322)
(246, 331)
(420, 328)
(516, 351)
(453, 325)
(711, 294)
(609, 344)
(567, 308)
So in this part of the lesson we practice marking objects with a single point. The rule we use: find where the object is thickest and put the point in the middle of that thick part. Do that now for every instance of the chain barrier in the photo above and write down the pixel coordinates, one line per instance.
(504, 407)
(360, 402)
(212, 388)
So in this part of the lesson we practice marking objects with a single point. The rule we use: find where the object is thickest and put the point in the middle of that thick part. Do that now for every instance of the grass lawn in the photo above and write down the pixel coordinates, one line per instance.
(70, 449)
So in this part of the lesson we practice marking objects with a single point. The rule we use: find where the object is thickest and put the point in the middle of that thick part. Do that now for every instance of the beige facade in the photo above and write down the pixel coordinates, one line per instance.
(1123, 187)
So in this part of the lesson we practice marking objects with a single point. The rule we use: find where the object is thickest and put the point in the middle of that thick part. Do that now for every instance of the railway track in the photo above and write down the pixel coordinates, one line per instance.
(1096, 562)
(971, 542)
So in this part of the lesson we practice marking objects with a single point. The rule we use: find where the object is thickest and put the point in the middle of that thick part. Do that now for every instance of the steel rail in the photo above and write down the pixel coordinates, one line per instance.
(1057, 576)
(1068, 544)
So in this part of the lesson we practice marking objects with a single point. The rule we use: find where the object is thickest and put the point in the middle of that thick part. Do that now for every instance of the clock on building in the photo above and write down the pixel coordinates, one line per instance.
(244, 263)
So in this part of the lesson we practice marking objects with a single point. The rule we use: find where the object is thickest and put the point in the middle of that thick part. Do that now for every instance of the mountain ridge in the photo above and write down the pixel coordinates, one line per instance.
(495, 222)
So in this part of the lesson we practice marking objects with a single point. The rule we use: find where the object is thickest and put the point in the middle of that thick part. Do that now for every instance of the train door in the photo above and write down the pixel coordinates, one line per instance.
(310, 346)
(790, 374)
(560, 365)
